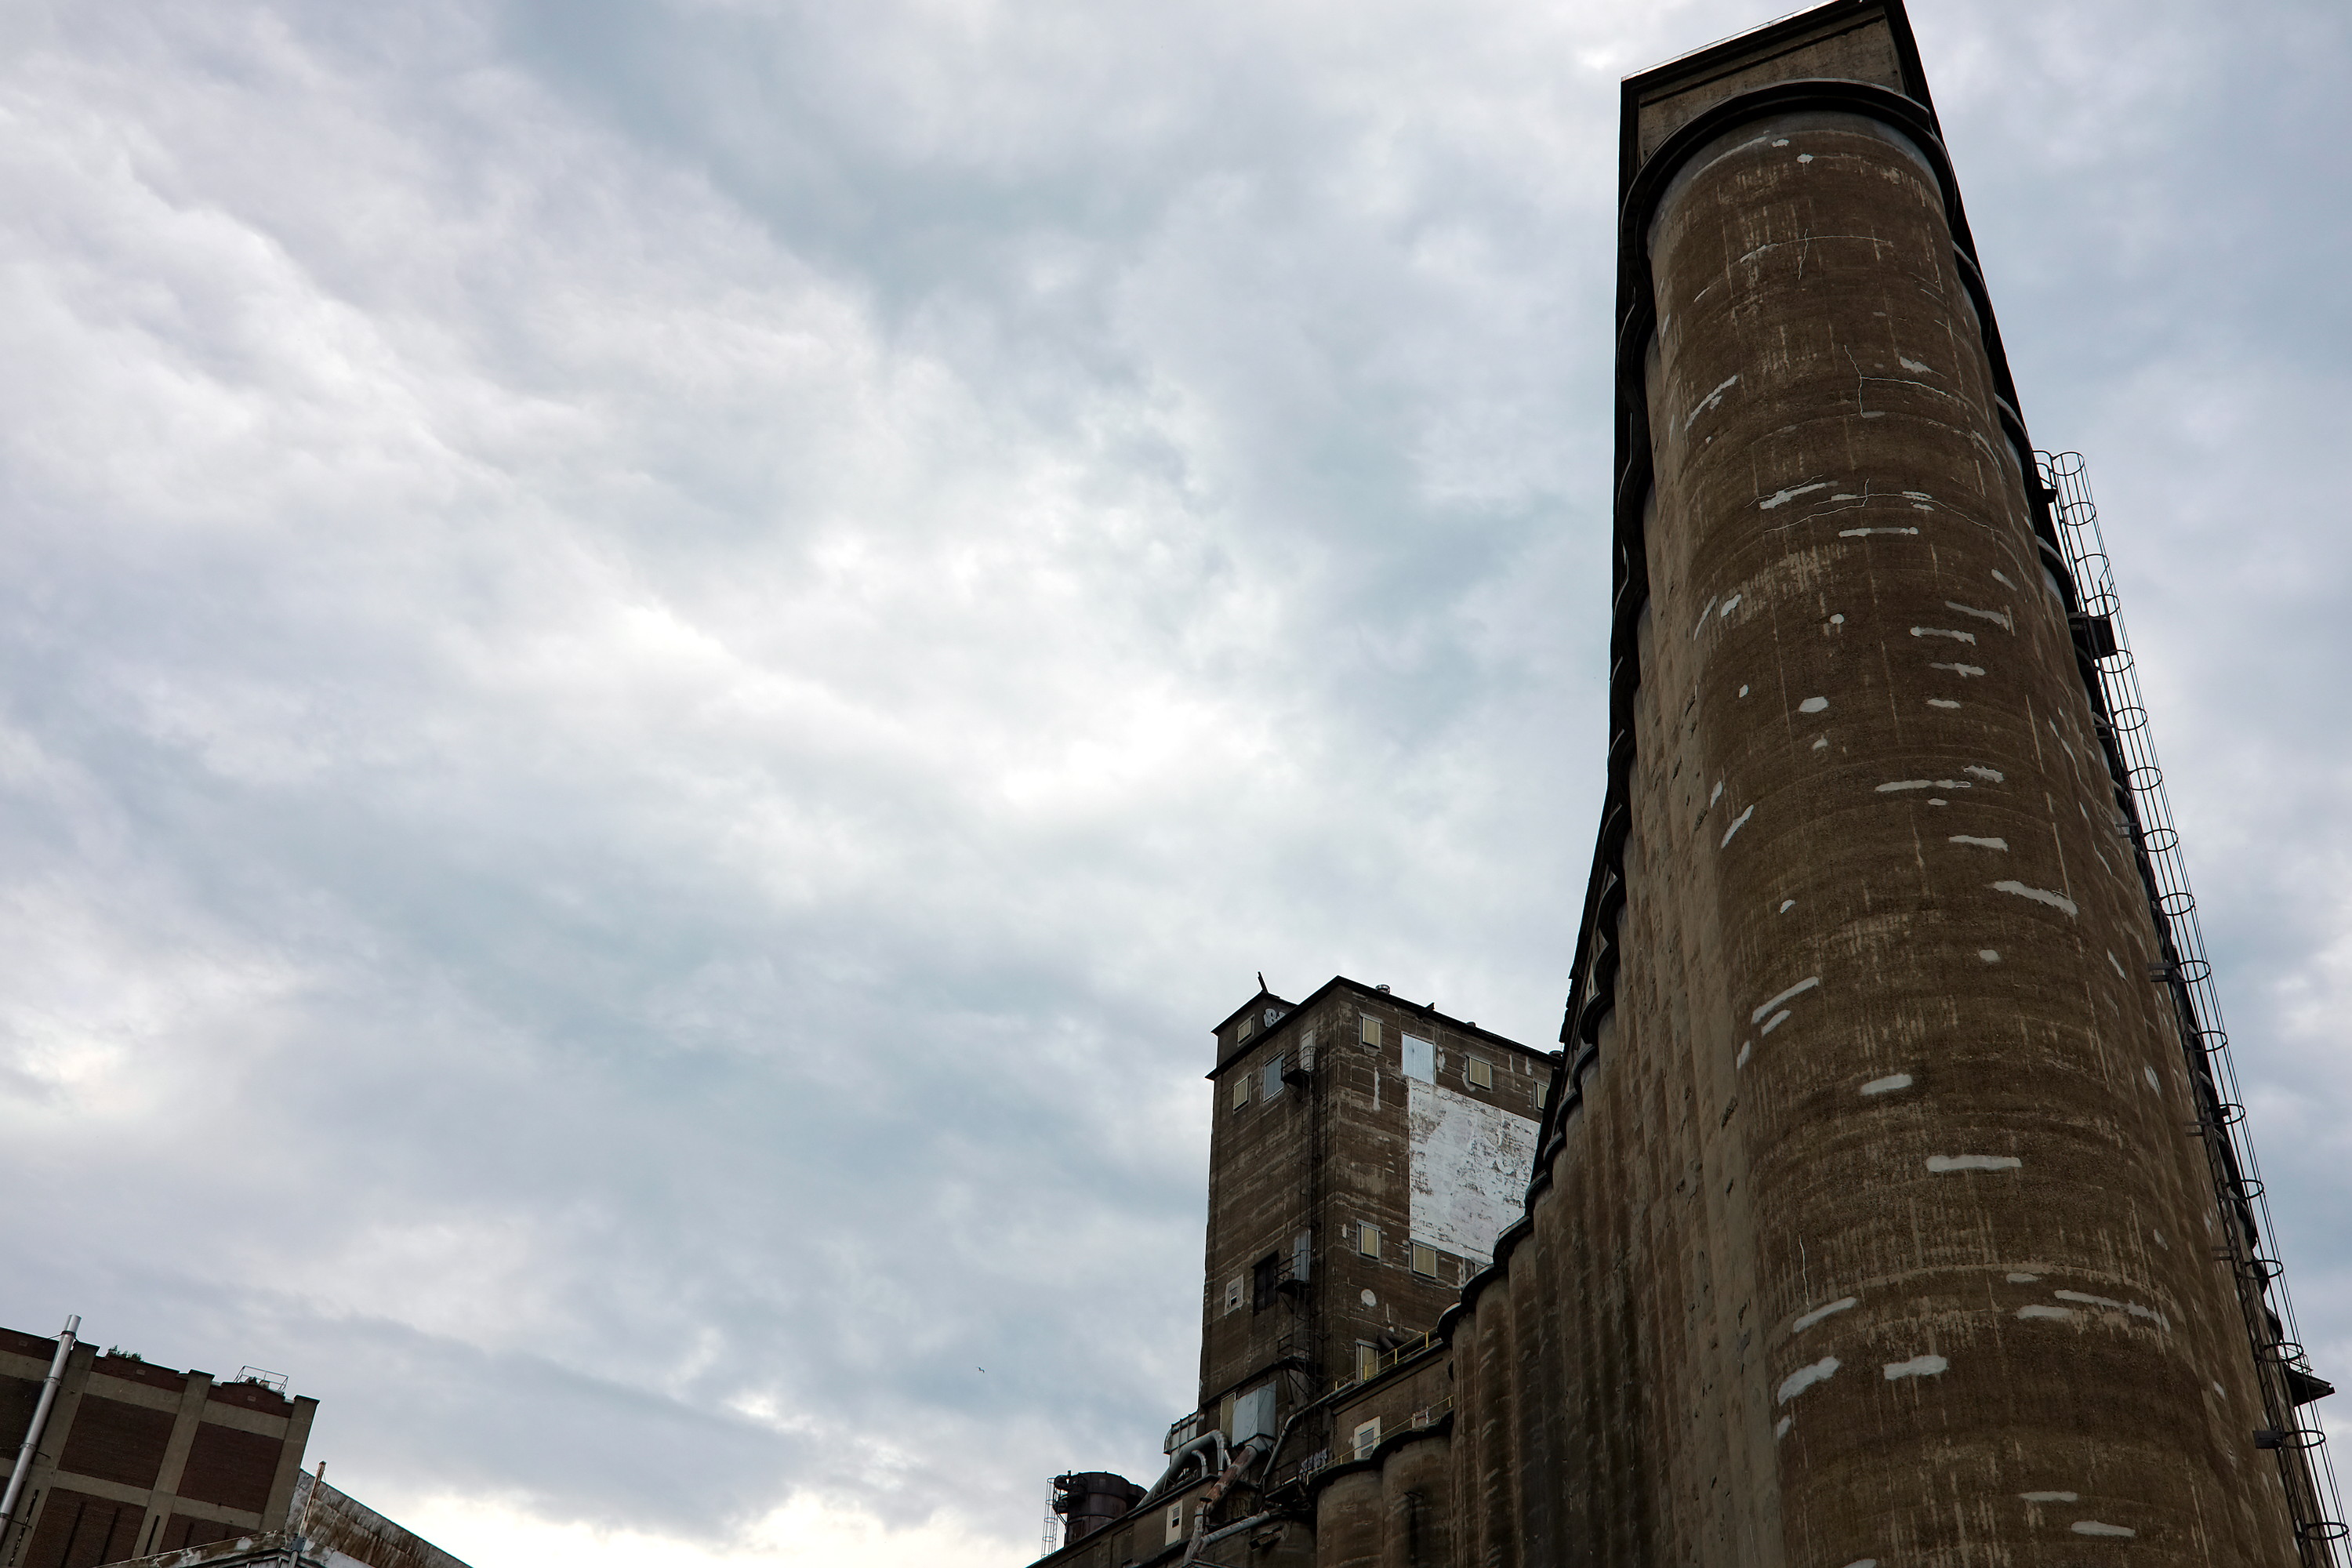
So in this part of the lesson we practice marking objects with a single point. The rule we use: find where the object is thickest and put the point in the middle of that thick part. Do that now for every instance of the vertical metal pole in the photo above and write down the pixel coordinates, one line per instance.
(16, 1477)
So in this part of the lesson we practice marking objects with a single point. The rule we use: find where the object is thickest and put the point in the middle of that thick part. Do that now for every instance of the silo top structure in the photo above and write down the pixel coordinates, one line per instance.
(1887, 1207)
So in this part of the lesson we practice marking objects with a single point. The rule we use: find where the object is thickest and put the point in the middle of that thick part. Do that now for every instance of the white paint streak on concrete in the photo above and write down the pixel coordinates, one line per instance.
(1989, 775)
(2134, 1307)
(1941, 703)
(1775, 1021)
(1729, 606)
(2116, 967)
(2063, 1314)
(2051, 1497)
(2025, 1279)
(1888, 1084)
(2155, 1084)
(1866, 533)
(1470, 1162)
(1745, 1052)
(1737, 824)
(1970, 637)
(1782, 498)
(2000, 843)
(1804, 1377)
(1822, 744)
(1924, 783)
(1991, 955)
(1915, 365)
(1791, 995)
(1702, 620)
(2093, 1527)
(1709, 401)
(1998, 617)
(1716, 797)
(1814, 705)
(1962, 670)
(2039, 895)
(1781, 1427)
(1918, 1366)
(1818, 1313)
(2002, 579)
(1939, 1164)
(1788, 904)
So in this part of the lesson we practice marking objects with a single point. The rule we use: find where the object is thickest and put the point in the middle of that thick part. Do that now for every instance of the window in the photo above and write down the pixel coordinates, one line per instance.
(1421, 1060)
(1263, 1274)
(1176, 1520)
(1302, 1255)
(1368, 1362)
(1368, 1240)
(1233, 1294)
(1543, 1092)
(1273, 1076)
(1424, 1260)
(1241, 1092)
(1247, 1027)
(1254, 1414)
(1479, 1071)
(1372, 1034)
(1368, 1437)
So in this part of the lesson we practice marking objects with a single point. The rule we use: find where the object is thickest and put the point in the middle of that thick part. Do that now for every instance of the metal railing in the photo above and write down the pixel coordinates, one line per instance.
(2282, 1370)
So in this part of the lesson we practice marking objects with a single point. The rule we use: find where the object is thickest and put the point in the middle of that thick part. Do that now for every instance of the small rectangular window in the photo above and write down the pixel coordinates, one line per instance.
(1241, 1092)
(1543, 1092)
(1372, 1034)
(1368, 1240)
(1176, 1520)
(1272, 1077)
(1368, 1437)
(1247, 1027)
(1235, 1294)
(1421, 1060)
(1302, 1253)
(1424, 1260)
(1368, 1362)
(1263, 1274)
(1479, 1071)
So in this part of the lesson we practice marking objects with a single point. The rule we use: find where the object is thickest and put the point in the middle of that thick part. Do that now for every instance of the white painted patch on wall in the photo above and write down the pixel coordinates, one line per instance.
(1901, 785)
(2000, 843)
(2061, 1314)
(1709, 401)
(2115, 966)
(1745, 1052)
(2003, 580)
(1970, 637)
(1866, 533)
(1818, 1313)
(1716, 797)
(2039, 895)
(1814, 705)
(1989, 775)
(1911, 364)
(1918, 1366)
(1743, 691)
(1998, 617)
(1788, 904)
(2154, 1083)
(1370, 1300)
(1781, 1427)
(1941, 703)
(1775, 1021)
(1837, 620)
(1804, 1377)
(2134, 1307)
(1804, 157)
(1737, 824)
(2024, 1279)
(1702, 620)
(1470, 1167)
(1791, 995)
(1991, 955)
(1887, 1085)
(1939, 1164)
(1822, 744)
(2051, 1497)
(1729, 606)
(2093, 1527)
(1963, 671)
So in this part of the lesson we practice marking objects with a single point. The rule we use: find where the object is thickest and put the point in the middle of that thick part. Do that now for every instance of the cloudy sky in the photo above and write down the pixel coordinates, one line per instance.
(663, 659)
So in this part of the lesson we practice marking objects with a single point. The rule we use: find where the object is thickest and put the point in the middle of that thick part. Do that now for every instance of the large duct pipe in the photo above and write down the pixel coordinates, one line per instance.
(17, 1476)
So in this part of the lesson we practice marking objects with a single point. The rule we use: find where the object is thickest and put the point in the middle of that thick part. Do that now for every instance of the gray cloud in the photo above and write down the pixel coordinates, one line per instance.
(662, 660)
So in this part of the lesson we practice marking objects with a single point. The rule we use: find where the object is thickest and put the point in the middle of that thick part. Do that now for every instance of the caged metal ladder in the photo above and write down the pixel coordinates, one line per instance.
(2071, 537)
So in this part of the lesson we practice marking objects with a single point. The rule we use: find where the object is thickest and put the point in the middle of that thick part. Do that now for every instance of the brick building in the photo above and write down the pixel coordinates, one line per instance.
(1889, 1203)
(135, 1463)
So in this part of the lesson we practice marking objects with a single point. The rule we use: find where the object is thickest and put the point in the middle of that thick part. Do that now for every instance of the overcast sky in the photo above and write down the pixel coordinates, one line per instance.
(662, 660)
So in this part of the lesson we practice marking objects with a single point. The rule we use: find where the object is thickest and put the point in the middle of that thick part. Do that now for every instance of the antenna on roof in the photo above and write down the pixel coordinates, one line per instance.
(1261, 979)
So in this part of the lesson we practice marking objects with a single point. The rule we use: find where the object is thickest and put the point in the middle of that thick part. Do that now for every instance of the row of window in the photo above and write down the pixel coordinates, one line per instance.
(1419, 1061)
(1258, 1288)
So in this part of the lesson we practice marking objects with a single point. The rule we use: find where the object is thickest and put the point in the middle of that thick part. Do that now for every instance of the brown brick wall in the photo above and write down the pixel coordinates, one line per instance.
(112, 1441)
(231, 1468)
(79, 1531)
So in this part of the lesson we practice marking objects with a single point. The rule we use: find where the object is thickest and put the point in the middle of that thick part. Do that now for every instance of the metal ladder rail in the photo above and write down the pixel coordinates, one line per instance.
(2313, 1496)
